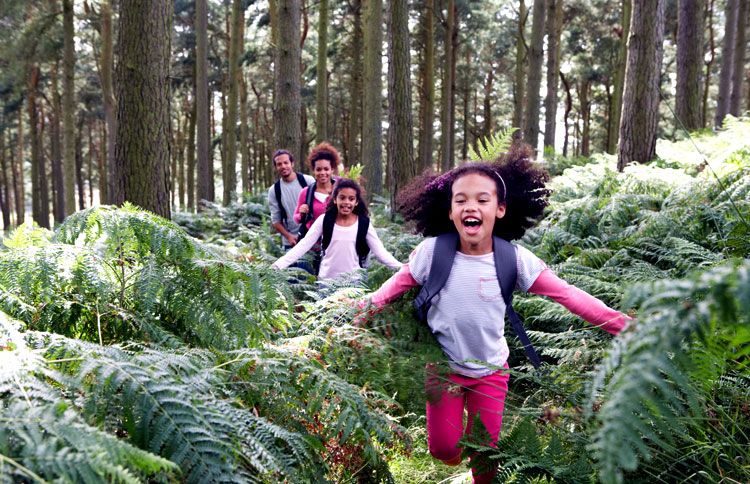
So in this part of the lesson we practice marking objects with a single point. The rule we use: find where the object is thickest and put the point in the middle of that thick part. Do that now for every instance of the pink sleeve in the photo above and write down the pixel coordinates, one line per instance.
(394, 287)
(300, 200)
(579, 302)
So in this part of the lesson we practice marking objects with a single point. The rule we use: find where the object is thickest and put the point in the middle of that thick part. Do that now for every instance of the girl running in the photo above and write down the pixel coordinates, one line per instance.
(476, 201)
(348, 236)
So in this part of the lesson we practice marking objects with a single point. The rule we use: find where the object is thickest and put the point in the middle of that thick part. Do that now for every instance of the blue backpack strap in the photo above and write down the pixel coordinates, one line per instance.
(507, 273)
(277, 191)
(306, 216)
(440, 268)
(363, 250)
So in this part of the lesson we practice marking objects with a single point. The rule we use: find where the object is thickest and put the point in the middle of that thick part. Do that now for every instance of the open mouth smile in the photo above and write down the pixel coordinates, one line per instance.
(471, 225)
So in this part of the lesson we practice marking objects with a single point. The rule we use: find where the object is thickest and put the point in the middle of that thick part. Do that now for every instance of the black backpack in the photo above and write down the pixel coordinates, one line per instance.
(277, 191)
(505, 268)
(363, 250)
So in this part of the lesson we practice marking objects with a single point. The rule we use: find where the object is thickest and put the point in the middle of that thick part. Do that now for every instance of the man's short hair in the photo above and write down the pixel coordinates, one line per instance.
(278, 153)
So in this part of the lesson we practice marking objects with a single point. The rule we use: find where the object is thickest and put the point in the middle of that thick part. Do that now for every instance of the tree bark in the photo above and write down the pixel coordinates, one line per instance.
(230, 136)
(568, 109)
(401, 144)
(554, 30)
(536, 49)
(79, 163)
(244, 137)
(321, 79)
(5, 191)
(39, 201)
(689, 63)
(372, 131)
(426, 86)
(18, 178)
(447, 90)
(58, 205)
(203, 133)
(640, 114)
(519, 86)
(142, 146)
(68, 108)
(287, 101)
(190, 175)
(355, 87)
(727, 62)
(615, 112)
(738, 71)
(710, 62)
(110, 117)
(584, 88)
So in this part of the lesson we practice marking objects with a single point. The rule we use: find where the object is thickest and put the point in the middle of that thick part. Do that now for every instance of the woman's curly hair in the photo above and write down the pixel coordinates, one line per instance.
(324, 151)
(520, 183)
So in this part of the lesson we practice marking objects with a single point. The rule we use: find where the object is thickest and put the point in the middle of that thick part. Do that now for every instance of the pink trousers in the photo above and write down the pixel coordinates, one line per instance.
(448, 395)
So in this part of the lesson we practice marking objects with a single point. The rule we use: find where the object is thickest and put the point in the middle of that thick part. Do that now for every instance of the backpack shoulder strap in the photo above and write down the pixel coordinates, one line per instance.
(507, 273)
(301, 180)
(329, 220)
(305, 217)
(363, 250)
(440, 268)
(277, 191)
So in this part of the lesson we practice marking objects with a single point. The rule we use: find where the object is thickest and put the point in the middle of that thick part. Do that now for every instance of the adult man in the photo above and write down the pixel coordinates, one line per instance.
(282, 197)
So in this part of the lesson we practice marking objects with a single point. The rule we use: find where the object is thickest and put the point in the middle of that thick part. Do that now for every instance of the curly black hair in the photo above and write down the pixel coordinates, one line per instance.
(520, 183)
(360, 209)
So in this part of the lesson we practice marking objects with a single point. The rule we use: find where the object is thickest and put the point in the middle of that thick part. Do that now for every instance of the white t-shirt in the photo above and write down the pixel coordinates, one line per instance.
(341, 255)
(467, 316)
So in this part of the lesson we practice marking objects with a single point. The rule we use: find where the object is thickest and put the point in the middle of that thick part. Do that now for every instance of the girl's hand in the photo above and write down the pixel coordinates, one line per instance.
(303, 209)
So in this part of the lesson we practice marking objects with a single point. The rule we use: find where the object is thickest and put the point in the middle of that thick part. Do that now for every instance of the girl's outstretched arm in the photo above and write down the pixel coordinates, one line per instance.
(316, 230)
(579, 302)
(393, 288)
(379, 251)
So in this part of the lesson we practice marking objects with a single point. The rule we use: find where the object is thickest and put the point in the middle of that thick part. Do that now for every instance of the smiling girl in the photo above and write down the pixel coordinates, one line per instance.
(346, 215)
(477, 201)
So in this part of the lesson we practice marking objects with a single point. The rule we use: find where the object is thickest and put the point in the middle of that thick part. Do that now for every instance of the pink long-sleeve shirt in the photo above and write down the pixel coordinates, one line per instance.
(318, 208)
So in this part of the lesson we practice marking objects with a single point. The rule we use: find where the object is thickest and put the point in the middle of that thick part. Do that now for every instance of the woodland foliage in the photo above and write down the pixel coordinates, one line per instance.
(135, 349)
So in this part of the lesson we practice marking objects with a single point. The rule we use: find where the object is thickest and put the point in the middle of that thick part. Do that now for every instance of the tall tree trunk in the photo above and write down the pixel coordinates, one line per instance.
(321, 79)
(244, 138)
(738, 71)
(203, 133)
(584, 89)
(191, 157)
(447, 90)
(426, 86)
(142, 146)
(640, 114)
(287, 101)
(355, 87)
(519, 86)
(236, 43)
(68, 108)
(43, 193)
(536, 51)
(487, 103)
(90, 159)
(5, 192)
(554, 30)
(102, 163)
(18, 178)
(727, 62)
(401, 144)
(568, 109)
(689, 63)
(58, 205)
(710, 62)
(109, 105)
(372, 131)
(39, 207)
(79, 163)
(615, 112)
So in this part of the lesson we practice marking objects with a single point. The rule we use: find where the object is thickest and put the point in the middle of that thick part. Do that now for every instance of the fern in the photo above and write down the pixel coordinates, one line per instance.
(492, 146)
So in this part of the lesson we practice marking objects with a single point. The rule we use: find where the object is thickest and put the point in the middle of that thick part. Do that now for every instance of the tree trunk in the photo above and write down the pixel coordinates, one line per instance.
(287, 101)
(79, 164)
(5, 192)
(615, 112)
(554, 30)
(519, 86)
(68, 108)
(90, 165)
(447, 90)
(640, 114)
(689, 63)
(536, 49)
(401, 145)
(487, 103)
(727, 62)
(142, 146)
(236, 43)
(203, 133)
(710, 62)
(102, 163)
(244, 137)
(106, 189)
(568, 109)
(18, 178)
(355, 87)
(58, 205)
(372, 131)
(191, 157)
(39, 201)
(321, 79)
(426, 86)
(584, 89)
(738, 71)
